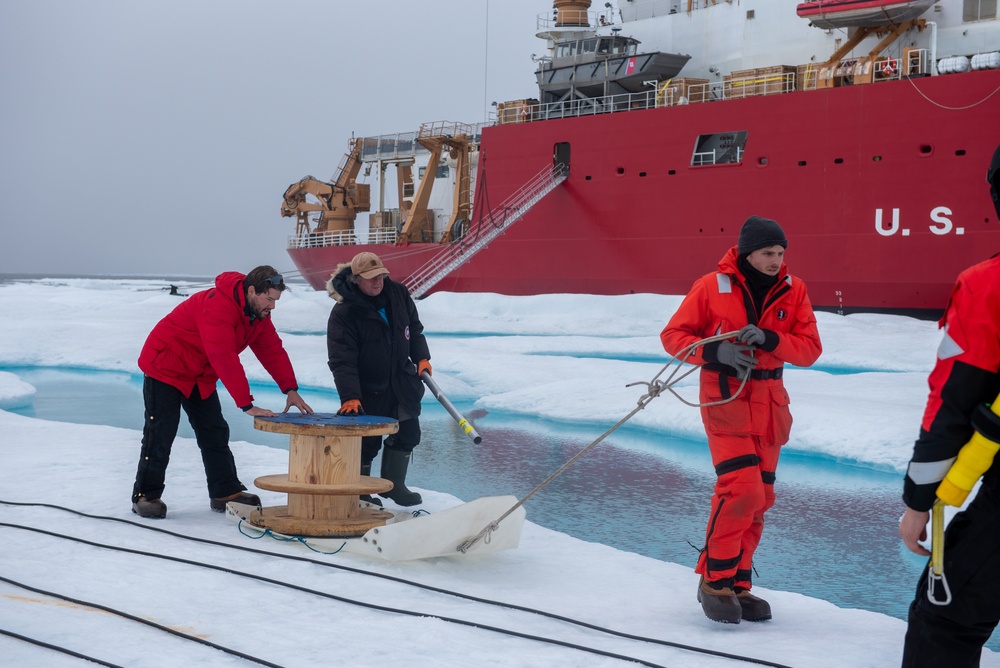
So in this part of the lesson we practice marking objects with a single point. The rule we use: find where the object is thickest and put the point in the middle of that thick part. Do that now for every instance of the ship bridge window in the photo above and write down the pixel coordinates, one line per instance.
(441, 173)
(720, 148)
(979, 10)
(616, 46)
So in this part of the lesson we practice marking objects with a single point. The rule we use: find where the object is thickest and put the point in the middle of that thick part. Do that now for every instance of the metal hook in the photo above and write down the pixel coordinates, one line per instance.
(932, 579)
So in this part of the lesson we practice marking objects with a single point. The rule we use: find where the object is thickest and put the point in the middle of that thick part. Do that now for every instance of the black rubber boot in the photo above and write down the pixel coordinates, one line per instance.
(366, 470)
(394, 465)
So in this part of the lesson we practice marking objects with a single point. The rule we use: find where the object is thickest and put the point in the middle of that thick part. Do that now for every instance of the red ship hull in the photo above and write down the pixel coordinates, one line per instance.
(880, 189)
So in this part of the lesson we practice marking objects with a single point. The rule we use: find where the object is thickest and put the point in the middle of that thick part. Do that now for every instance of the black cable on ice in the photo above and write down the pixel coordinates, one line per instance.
(391, 578)
(120, 613)
(57, 648)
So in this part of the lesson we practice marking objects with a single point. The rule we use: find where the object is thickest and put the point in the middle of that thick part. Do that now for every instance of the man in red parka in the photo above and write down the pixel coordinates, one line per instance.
(964, 383)
(753, 294)
(187, 353)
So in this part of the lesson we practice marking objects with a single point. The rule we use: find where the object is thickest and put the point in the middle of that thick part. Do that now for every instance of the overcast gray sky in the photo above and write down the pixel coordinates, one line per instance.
(157, 136)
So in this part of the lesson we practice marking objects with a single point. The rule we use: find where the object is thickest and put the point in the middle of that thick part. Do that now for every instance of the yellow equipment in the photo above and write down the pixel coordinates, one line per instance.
(973, 460)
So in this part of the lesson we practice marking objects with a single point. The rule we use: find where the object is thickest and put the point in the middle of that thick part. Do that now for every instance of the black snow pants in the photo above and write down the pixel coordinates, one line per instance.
(408, 436)
(954, 635)
(163, 413)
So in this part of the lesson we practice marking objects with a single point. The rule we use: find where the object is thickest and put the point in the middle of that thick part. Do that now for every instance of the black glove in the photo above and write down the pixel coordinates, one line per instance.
(737, 356)
(752, 335)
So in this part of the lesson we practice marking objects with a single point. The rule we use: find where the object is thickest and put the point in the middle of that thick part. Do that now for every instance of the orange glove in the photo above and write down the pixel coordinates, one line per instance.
(351, 407)
(424, 365)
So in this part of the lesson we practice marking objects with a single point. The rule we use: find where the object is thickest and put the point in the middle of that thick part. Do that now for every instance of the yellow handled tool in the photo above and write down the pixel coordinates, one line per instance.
(469, 430)
(973, 460)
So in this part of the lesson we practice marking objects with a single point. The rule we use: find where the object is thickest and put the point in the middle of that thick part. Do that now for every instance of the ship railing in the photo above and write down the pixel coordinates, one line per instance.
(917, 61)
(647, 9)
(322, 239)
(588, 106)
(447, 129)
(776, 80)
(404, 145)
(485, 230)
(398, 146)
(378, 235)
(685, 92)
(382, 235)
(702, 158)
(574, 18)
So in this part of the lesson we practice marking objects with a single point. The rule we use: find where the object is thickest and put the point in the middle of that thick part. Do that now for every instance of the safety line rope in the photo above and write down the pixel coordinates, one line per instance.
(654, 388)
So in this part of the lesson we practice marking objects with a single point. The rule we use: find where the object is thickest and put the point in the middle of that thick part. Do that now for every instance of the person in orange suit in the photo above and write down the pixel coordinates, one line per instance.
(752, 294)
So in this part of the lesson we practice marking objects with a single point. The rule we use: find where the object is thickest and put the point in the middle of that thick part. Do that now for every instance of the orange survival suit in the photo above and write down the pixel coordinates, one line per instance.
(745, 434)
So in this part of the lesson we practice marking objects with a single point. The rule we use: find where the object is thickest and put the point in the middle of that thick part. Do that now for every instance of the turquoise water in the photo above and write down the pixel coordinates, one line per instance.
(832, 533)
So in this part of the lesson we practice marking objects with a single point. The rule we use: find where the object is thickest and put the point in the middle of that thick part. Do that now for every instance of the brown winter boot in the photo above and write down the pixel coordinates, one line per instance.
(719, 602)
(242, 498)
(150, 508)
(755, 609)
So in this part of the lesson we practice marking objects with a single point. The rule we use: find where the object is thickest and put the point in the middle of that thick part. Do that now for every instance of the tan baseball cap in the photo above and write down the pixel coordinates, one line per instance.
(367, 265)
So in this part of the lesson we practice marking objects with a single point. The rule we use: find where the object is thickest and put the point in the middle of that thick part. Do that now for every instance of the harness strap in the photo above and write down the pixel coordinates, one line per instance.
(725, 372)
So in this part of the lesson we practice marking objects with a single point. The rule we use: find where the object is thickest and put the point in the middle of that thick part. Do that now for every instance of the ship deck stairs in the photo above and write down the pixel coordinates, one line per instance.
(486, 229)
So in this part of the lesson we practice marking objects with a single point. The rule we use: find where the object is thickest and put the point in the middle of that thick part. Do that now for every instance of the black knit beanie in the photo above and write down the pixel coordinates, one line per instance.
(758, 233)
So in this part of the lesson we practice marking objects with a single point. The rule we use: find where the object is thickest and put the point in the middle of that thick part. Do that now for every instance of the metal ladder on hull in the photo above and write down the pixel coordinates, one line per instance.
(493, 225)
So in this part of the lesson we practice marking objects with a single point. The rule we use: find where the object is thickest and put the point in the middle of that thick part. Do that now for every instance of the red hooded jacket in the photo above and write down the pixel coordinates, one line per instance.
(716, 305)
(200, 341)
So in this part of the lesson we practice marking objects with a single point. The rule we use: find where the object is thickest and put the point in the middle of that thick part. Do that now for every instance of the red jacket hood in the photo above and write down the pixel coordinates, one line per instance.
(200, 341)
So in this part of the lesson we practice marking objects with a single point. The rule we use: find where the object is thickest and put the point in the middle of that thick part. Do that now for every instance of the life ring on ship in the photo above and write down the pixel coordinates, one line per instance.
(524, 111)
(889, 67)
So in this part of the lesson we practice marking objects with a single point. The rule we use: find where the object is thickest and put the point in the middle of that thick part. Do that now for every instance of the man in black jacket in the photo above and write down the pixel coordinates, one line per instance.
(377, 350)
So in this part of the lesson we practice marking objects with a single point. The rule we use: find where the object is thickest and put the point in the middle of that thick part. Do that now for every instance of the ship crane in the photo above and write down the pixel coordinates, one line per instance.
(337, 202)
(436, 137)
(864, 69)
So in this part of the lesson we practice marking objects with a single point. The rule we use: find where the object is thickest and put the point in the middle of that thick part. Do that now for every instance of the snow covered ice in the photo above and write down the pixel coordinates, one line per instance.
(869, 419)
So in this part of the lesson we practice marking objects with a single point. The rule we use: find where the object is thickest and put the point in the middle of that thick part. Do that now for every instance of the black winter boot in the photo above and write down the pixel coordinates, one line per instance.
(394, 465)
(366, 470)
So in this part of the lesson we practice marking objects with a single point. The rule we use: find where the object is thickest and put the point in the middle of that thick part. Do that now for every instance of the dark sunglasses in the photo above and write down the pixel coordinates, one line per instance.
(276, 279)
